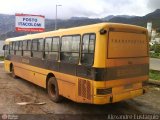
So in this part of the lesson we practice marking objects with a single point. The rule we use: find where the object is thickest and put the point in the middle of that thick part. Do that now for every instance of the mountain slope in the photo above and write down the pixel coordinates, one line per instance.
(113, 16)
(154, 17)
(7, 28)
(7, 22)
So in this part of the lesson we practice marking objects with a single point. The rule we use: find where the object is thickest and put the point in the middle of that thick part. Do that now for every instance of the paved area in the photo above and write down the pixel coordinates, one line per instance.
(13, 91)
(155, 64)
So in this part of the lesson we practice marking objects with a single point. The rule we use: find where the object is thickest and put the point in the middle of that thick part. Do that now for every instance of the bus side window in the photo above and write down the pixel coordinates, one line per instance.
(20, 45)
(29, 45)
(14, 48)
(11, 50)
(19, 48)
(6, 50)
(48, 44)
(38, 48)
(24, 48)
(70, 49)
(16, 44)
(88, 45)
(27, 48)
(52, 48)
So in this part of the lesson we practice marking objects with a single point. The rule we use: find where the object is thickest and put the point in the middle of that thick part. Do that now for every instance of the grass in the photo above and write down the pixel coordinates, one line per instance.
(1, 58)
(155, 75)
(155, 55)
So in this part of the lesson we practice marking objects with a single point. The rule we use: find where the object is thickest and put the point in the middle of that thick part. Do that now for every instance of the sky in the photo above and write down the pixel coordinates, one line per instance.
(81, 8)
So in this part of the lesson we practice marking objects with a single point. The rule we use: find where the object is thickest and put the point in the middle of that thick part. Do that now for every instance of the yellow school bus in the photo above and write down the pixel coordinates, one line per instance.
(97, 64)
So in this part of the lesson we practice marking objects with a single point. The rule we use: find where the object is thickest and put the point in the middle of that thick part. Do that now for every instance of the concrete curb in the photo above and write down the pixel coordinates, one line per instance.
(1, 61)
(154, 82)
(154, 69)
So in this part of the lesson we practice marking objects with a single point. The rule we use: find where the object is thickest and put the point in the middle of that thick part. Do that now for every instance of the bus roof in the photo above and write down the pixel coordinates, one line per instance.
(74, 30)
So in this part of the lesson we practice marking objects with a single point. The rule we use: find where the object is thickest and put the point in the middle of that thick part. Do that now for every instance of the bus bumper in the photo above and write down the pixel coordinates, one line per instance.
(117, 97)
(7, 65)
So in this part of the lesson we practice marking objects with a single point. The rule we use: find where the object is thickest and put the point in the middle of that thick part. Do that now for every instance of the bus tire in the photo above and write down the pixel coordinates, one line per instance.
(13, 72)
(53, 91)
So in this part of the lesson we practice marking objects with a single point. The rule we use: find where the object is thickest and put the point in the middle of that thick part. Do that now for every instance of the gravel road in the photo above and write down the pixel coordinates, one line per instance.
(13, 91)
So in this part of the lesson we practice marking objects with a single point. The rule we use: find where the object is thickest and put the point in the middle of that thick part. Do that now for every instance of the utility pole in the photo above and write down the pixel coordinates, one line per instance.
(56, 17)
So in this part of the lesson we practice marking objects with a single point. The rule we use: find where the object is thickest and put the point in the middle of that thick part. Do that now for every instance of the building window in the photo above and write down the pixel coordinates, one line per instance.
(70, 49)
(88, 45)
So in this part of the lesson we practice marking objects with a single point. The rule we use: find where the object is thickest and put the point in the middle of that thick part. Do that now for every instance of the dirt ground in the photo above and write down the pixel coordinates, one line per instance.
(13, 91)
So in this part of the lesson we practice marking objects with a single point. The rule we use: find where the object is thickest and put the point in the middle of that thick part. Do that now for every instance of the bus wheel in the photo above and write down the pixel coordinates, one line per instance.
(53, 91)
(13, 73)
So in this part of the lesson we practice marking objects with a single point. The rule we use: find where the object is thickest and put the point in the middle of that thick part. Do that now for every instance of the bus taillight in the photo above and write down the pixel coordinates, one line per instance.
(104, 91)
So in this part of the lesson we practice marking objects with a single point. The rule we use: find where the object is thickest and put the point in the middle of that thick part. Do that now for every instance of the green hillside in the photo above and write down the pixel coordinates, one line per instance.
(7, 22)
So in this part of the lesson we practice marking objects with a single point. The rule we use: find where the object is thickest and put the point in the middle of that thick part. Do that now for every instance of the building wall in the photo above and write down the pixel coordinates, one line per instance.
(1, 47)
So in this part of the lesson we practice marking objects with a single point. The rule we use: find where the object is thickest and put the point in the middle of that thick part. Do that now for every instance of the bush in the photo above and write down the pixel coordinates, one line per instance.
(152, 47)
(155, 55)
(155, 75)
(157, 49)
(1, 58)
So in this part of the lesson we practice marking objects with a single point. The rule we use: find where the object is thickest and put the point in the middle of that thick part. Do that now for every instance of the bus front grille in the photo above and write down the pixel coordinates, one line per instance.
(84, 89)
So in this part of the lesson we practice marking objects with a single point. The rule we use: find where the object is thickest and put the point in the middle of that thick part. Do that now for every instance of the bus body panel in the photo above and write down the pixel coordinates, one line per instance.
(116, 98)
(127, 45)
(7, 64)
(38, 76)
(100, 53)
(126, 61)
(121, 89)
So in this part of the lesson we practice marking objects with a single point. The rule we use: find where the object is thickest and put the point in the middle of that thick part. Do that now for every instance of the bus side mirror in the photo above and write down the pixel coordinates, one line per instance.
(4, 47)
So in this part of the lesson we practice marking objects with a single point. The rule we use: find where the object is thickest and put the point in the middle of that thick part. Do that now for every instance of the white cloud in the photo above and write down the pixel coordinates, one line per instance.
(86, 8)
(154, 4)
